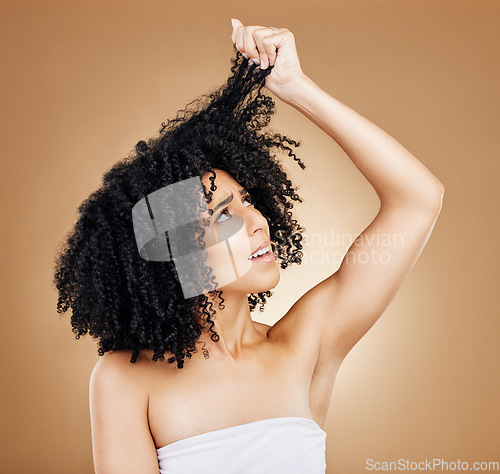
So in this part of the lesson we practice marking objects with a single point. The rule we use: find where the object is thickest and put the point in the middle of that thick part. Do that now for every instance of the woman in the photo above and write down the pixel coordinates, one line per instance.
(255, 398)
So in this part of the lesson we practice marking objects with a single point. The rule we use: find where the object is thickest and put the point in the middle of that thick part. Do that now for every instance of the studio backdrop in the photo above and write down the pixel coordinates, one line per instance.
(84, 81)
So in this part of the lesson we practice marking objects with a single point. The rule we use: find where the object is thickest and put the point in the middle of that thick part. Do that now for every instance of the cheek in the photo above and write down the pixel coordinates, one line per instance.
(230, 239)
(234, 234)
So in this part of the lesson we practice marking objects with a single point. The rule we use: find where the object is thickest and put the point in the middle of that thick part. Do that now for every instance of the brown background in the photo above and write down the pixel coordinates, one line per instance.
(83, 81)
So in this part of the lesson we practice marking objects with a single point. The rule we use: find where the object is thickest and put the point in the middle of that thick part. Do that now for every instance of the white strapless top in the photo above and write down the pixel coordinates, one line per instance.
(290, 444)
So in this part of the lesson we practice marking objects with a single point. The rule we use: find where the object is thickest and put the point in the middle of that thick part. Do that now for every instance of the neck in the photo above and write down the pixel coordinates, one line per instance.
(234, 325)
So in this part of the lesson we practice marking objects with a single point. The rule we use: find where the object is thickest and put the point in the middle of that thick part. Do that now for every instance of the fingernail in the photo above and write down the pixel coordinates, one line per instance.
(232, 22)
(256, 60)
(262, 64)
(246, 55)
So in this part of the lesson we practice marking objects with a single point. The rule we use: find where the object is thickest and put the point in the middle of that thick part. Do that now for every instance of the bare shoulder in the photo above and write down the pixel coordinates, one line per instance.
(116, 368)
(118, 402)
(114, 359)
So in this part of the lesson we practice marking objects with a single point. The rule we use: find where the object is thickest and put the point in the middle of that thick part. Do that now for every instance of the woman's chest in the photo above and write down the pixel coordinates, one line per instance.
(206, 397)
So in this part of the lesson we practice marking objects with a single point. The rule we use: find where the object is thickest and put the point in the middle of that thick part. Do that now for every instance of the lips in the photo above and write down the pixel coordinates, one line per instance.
(265, 244)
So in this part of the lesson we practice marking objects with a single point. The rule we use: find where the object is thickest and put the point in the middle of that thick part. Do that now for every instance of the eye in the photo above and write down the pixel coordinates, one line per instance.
(226, 212)
(249, 199)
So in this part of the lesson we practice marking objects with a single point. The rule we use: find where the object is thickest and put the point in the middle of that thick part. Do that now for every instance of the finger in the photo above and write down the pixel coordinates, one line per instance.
(237, 36)
(250, 44)
(265, 40)
(239, 42)
(236, 22)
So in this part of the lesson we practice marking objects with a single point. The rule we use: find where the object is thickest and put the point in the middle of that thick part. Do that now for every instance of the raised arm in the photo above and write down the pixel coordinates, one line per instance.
(397, 176)
(344, 306)
(338, 311)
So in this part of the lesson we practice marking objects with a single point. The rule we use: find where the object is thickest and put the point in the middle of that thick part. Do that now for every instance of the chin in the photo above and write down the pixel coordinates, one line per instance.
(255, 281)
(266, 284)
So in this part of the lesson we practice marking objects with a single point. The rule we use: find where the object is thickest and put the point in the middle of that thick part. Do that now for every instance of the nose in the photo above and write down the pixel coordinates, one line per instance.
(255, 221)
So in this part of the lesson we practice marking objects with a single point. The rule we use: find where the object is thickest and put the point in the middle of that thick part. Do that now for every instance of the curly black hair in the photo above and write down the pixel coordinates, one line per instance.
(128, 302)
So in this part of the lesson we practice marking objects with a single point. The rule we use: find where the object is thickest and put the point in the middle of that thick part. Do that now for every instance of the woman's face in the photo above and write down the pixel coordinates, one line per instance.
(239, 229)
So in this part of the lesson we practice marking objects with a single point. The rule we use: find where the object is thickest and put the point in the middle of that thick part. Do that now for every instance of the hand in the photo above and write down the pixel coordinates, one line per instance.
(276, 50)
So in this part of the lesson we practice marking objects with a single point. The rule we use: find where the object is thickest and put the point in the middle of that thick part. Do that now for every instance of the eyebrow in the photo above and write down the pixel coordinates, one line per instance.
(228, 200)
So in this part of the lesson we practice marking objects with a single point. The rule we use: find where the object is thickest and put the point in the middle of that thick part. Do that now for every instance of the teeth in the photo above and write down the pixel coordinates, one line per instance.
(259, 252)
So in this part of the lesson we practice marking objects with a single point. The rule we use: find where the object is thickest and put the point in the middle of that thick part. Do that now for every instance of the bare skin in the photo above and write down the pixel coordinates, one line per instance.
(253, 373)
(289, 369)
(267, 381)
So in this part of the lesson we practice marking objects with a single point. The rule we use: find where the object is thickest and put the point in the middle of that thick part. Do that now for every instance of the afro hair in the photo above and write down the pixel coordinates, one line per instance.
(128, 302)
